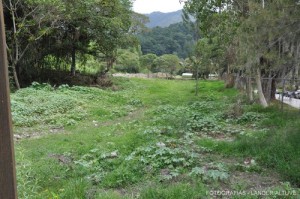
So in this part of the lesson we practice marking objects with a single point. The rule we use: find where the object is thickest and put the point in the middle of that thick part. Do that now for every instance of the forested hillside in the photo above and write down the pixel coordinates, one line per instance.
(176, 39)
(163, 19)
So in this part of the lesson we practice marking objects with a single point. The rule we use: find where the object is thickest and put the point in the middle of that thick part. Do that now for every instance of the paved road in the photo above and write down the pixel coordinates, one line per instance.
(290, 101)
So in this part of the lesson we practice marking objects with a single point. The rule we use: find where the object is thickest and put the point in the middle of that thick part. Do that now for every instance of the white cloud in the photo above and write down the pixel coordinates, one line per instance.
(148, 6)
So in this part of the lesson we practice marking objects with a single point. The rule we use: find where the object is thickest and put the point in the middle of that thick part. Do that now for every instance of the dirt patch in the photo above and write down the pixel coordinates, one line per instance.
(137, 114)
(254, 181)
(63, 159)
(243, 176)
(25, 134)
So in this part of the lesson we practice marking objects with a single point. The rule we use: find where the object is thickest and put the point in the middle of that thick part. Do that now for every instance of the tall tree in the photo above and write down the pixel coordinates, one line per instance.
(257, 38)
(39, 32)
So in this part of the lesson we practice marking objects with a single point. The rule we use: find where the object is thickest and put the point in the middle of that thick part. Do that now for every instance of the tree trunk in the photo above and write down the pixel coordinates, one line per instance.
(237, 82)
(297, 67)
(229, 81)
(249, 89)
(73, 65)
(16, 46)
(261, 96)
(267, 87)
(16, 77)
(240, 81)
(109, 65)
(273, 89)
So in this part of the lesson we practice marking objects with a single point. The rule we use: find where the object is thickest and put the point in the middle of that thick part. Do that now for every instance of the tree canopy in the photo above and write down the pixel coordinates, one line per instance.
(42, 33)
(255, 38)
(175, 39)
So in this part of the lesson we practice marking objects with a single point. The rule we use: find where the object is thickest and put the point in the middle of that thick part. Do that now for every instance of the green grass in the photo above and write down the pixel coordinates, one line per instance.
(151, 138)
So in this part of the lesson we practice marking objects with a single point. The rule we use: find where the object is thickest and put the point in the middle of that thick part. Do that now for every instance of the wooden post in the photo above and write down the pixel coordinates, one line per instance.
(8, 187)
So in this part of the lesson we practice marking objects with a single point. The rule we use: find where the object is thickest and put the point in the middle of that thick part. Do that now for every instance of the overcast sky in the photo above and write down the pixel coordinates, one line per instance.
(148, 6)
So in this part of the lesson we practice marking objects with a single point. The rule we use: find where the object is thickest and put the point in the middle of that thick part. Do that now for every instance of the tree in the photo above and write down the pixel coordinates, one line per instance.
(255, 38)
(128, 61)
(175, 39)
(166, 63)
(41, 33)
(147, 60)
(27, 22)
(112, 30)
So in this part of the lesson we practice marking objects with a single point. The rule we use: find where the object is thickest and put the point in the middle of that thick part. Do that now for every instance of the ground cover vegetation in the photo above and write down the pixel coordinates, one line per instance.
(151, 138)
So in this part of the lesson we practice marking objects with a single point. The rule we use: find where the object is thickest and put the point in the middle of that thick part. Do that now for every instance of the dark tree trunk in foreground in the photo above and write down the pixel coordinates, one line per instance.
(8, 185)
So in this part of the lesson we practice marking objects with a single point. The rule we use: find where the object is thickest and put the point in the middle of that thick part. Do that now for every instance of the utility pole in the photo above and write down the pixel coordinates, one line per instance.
(8, 187)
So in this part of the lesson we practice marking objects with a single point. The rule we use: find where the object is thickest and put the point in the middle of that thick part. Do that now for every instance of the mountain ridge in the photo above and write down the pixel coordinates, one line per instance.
(163, 19)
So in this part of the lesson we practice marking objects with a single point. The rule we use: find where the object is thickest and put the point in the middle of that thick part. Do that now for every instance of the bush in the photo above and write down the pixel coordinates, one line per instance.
(42, 104)
(127, 69)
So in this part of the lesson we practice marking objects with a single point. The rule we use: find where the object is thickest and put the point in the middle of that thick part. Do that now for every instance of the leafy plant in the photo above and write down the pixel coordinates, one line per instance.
(211, 171)
(249, 117)
(161, 155)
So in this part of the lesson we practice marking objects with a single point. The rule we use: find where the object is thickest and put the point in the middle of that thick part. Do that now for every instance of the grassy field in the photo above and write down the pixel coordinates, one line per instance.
(150, 138)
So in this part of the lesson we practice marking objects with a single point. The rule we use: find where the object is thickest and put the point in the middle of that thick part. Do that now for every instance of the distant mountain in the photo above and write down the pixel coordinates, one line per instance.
(164, 19)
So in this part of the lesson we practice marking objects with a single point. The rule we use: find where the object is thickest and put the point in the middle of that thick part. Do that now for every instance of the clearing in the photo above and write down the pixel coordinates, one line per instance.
(152, 138)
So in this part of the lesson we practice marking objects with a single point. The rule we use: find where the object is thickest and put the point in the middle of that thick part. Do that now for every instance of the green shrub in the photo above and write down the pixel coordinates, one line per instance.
(42, 104)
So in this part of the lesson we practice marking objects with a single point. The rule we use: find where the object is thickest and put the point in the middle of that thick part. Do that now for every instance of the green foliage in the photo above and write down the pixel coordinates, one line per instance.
(41, 104)
(136, 142)
(103, 169)
(147, 60)
(276, 149)
(74, 189)
(175, 39)
(175, 191)
(161, 156)
(166, 63)
(136, 102)
(127, 62)
(212, 171)
(249, 117)
(28, 185)
(199, 116)
(76, 29)
(243, 36)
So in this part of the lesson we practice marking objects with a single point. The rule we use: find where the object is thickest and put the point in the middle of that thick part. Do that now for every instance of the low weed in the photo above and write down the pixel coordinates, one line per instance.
(28, 184)
(175, 191)
(275, 149)
(212, 171)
